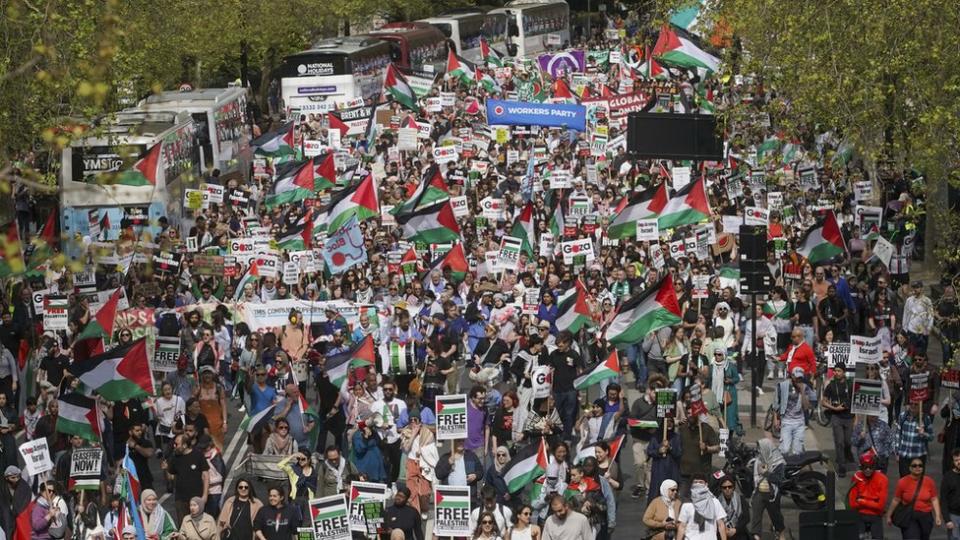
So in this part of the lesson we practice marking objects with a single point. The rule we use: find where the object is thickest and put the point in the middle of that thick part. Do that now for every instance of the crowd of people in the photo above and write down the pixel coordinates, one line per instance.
(437, 328)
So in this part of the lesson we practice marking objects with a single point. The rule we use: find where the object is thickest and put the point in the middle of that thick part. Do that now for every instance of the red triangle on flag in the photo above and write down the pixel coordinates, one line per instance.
(335, 122)
(667, 297)
(697, 198)
(446, 218)
(149, 165)
(304, 177)
(135, 366)
(366, 352)
(613, 362)
(366, 194)
(327, 169)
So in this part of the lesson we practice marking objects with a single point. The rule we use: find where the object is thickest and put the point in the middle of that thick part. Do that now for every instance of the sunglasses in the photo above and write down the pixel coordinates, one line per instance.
(500, 454)
(727, 487)
(243, 488)
(486, 522)
(282, 427)
(916, 465)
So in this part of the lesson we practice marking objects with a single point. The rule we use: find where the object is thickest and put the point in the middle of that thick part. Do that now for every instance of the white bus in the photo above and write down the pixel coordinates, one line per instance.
(533, 26)
(220, 117)
(465, 27)
(94, 194)
(333, 70)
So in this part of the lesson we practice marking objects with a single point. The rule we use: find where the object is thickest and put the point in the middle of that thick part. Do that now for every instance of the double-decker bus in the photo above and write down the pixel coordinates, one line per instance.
(465, 27)
(333, 70)
(535, 25)
(415, 46)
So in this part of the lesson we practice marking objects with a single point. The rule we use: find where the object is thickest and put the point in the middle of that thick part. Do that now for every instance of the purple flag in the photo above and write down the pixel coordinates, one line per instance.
(563, 62)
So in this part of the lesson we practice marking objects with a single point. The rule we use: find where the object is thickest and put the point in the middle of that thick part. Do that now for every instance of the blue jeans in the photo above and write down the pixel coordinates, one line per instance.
(791, 437)
(566, 402)
(955, 533)
(637, 363)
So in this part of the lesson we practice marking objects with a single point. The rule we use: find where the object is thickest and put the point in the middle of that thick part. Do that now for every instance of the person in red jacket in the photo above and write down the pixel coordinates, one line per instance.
(799, 354)
(868, 496)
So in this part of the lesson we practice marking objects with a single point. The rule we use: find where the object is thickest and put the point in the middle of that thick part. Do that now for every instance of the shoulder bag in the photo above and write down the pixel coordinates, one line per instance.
(903, 515)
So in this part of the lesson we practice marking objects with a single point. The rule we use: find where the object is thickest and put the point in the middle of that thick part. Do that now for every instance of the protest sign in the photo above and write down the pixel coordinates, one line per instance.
(305, 533)
(85, 467)
(36, 456)
(166, 353)
(407, 139)
(883, 250)
(724, 435)
(208, 265)
(444, 154)
(697, 406)
(509, 255)
(531, 300)
(576, 248)
(546, 245)
(919, 387)
(863, 190)
(329, 517)
(701, 287)
(493, 208)
(647, 229)
(865, 350)
(666, 403)
(839, 354)
(55, 312)
(866, 398)
(681, 177)
(451, 417)
(366, 506)
(542, 377)
(754, 215)
(460, 206)
(451, 511)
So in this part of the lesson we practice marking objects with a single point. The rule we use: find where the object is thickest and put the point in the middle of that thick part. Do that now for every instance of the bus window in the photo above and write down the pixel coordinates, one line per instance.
(203, 138)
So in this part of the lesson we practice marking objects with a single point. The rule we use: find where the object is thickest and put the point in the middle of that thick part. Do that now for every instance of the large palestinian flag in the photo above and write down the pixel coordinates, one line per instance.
(434, 224)
(458, 68)
(276, 143)
(455, 260)
(298, 236)
(145, 171)
(258, 422)
(679, 51)
(295, 183)
(687, 207)
(529, 464)
(489, 54)
(430, 190)
(358, 200)
(79, 416)
(118, 374)
(573, 312)
(823, 242)
(397, 87)
(523, 229)
(644, 205)
(647, 312)
(101, 324)
(338, 366)
(608, 369)
(615, 443)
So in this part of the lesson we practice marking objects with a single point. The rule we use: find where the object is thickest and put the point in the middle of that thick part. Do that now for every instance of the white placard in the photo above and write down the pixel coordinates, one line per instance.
(268, 265)
(492, 208)
(407, 139)
(681, 177)
(546, 245)
(754, 215)
(312, 147)
(647, 229)
(212, 193)
(460, 206)
(883, 250)
(862, 191)
(865, 350)
(448, 99)
(574, 248)
(291, 273)
(444, 154)
(434, 104)
(36, 456)
(775, 200)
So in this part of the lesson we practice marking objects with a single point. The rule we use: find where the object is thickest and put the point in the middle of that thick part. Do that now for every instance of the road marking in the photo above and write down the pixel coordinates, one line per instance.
(233, 450)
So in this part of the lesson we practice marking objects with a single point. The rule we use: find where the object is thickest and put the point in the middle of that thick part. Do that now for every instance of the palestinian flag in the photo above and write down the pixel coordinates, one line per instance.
(145, 171)
(332, 507)
(458, 68)
(300, 235)
(572, 309)
(338, 366)
(450, 405)
(687, 207)
(360, 491)
(451, 497)
(276, 143)
(122, 373)
(647, 312)
(687, 18)
(526, 466)
(561, 90)
(730, 277)
(324, 173)
(430, 190)
(79, 416)
(785, 313)
(251, 276)
(644, 205)
(704, 99)
(255, 424)
(589, 450)
(294, 183)
(409, 266)
(556, 222)
(489, 83)
(23, 528)
(523, 229)
(359, 200)
(642, 424)
(823, 242)
(455, 260)
(489, 54)
(608, 369)
(681, 52)
(396, 85)
(434, 224)
(101, 324)
(334, 122)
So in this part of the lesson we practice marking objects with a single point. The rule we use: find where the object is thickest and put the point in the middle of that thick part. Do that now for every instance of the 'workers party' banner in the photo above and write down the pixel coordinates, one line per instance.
(519, 113)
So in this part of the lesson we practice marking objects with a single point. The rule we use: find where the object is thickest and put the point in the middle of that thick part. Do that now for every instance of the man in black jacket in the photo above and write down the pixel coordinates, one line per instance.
(950, 495)
(401, 517)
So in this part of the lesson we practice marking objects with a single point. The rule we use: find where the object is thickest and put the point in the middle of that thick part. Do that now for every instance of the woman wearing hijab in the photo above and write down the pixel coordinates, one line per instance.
(280, 442)
(663, 511)
(198, 525)
(722, 379)
(157, 522)
(735, 507)
(239, 510)
(420, 445)
(494, 475)
(703, 517)
(767, 475)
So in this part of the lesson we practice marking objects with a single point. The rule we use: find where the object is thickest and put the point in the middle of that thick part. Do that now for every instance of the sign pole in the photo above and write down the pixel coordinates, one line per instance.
(755, 364)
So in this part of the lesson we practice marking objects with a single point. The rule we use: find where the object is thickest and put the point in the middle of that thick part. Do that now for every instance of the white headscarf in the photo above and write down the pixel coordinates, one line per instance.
(665, 488)
(718, 373)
